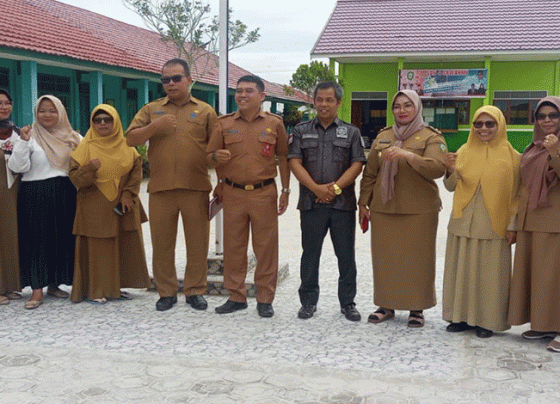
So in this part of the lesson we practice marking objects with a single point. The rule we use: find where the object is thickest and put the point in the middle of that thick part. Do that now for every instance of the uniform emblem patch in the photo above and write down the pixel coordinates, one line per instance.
(267, 149)
(443, 148)
(268, 130)
(194, 115)
(290, 138)
(342, 132)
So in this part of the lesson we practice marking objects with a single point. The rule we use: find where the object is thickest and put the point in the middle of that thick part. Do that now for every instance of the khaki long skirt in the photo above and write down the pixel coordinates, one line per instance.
(404, 260)
(476, 282)
(105, 265)
(535, 286)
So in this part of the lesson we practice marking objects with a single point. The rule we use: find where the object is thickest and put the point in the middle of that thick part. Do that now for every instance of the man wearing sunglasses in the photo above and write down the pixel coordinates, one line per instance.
(177, 128)
(244, 147)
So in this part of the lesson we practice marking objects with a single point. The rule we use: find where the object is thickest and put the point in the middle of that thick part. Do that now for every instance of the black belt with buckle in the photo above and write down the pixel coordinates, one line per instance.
(250, 187)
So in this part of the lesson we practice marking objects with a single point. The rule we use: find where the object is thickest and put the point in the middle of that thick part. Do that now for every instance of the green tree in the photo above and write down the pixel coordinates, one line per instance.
(306, 77)
(187, 24)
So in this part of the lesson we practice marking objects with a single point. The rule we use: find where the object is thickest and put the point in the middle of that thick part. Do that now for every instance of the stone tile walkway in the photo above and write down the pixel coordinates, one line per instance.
(126, 352)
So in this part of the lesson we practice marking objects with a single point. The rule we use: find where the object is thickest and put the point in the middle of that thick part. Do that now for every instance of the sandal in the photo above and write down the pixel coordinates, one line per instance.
(4, 300)
(416, 319)
(125, 295)
(57, 292)
(380, 315)
(32, 304)
(97, 301)
(13, 295)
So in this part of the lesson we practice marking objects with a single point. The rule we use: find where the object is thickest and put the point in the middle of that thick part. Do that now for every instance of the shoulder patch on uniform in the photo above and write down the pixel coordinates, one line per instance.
(443, 147)
(290, 138)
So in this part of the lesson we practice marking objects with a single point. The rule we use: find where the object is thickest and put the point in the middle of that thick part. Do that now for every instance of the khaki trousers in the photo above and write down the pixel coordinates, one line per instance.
(164, 208)
(257, 209)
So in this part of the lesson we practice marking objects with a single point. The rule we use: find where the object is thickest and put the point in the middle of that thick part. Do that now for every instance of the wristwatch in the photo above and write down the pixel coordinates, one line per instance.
(337, 189)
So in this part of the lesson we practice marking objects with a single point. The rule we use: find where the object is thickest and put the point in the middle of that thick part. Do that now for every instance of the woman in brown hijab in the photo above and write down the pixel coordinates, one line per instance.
(401, 199)
(46, 201)
(9, 185)
(535, 286)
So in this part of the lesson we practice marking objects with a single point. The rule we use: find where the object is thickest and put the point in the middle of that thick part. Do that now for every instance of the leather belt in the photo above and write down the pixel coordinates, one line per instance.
(250, 187)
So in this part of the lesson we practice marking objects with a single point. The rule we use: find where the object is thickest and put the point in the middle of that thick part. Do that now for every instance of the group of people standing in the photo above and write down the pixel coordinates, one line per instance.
(500, 198)
(74, 204)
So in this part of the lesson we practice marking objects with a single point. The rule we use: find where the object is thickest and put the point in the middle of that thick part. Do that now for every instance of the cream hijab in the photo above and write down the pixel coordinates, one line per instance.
(58, 142)
(117, 158)
(495, 166)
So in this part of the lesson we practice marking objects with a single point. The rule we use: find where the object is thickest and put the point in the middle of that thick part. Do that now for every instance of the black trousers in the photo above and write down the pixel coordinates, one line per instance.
(314, 226)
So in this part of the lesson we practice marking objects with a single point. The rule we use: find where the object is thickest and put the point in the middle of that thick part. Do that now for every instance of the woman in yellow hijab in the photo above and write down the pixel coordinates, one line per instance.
(484, 173)
(108, 225)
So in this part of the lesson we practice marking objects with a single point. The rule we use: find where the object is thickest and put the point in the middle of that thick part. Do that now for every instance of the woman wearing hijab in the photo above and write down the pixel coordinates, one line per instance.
(108, 226)
(535, 284)
(401, 199)
(484, 173)
(47, 200)
(9, 186)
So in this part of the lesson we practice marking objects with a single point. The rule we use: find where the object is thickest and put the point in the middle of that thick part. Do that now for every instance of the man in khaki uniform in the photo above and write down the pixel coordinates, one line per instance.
(245, 145)
(177, 127)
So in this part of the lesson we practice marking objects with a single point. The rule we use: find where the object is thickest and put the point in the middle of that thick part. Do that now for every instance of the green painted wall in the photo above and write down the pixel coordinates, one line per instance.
(504, 76)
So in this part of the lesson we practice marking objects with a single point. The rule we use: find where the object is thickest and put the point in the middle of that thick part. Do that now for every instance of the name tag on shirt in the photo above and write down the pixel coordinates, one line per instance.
(342, 132)
(232, 131)
(310, 136)
(160, 112)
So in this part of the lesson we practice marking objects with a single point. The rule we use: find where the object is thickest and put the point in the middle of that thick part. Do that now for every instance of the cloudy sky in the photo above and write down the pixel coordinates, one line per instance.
(288, 28)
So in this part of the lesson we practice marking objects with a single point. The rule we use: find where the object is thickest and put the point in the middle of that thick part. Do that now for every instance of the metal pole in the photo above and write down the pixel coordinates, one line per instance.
(223, 91)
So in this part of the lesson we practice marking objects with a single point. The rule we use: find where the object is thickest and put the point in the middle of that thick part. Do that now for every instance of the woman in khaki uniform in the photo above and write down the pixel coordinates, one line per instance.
(401, 199)
(484, 174)
(535, 284)
(9, 186)
(108, 225)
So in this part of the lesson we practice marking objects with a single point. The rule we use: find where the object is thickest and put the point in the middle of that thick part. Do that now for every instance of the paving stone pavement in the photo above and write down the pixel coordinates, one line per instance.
(126, 352)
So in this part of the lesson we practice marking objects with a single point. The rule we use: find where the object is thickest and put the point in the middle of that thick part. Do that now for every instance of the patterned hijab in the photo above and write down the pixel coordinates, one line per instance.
(117, 158)
(536, 173)
(402, 132)
(60, 141)
(495, 166)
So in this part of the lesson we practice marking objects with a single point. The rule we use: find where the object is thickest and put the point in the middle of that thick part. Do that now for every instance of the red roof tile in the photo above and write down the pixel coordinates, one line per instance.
(417, 26)
(54, 28)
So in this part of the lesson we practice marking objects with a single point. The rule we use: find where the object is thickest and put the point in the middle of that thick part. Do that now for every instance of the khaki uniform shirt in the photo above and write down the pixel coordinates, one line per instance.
(178, 157)
(253, 146)
(415, 189)
(546, 219)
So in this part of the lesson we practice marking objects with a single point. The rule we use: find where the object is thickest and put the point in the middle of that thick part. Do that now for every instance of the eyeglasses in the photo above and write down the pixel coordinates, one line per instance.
(176, 79)
(552, 116)
(480, 124)
(103, 119)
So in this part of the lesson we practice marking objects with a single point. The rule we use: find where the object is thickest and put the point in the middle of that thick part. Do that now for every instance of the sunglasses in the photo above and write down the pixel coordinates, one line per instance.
(480, 124)
(175, 79)
(102, 119)
(552, 116)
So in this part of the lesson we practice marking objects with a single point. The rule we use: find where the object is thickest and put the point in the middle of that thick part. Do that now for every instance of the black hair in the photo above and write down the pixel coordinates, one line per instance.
(324, 85)
(252, 79)
(7, 94)
(178, 61)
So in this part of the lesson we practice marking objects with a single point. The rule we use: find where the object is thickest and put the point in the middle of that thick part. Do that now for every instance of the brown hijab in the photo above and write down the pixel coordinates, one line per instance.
(402, 132)
(536, 173)
(61, 140)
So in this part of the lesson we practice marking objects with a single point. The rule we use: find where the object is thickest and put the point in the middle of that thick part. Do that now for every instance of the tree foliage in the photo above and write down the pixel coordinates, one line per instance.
(187, 24)
(306, 77)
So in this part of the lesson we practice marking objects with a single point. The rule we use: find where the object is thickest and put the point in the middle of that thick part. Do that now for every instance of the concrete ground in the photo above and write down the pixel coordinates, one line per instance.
(126, 352)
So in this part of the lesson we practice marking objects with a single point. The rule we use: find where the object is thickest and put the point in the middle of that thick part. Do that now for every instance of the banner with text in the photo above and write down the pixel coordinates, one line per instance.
(445, 83)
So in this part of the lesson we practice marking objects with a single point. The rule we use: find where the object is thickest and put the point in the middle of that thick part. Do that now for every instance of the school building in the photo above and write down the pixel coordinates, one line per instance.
(457, 55)
(85, 59)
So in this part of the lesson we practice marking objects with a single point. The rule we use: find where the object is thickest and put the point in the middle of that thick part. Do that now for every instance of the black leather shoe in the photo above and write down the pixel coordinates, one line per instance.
(165, 303)
(483, 332)
(265, 309)
(307, 311)
(458, 327)
(230, 306)
(197, 302)
(351, 313)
